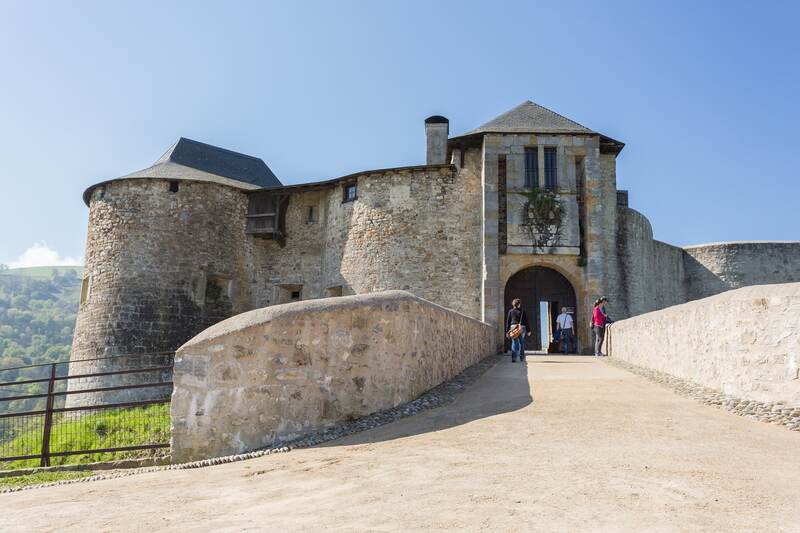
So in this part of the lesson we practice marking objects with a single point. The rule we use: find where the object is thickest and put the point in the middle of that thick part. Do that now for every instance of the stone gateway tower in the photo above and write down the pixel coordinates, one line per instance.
(525, 205)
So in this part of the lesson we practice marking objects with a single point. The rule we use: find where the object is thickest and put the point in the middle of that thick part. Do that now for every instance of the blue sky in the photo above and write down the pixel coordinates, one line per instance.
(704, 94)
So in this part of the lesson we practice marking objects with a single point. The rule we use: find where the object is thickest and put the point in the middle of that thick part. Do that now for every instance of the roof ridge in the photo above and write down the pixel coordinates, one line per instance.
(559, 114)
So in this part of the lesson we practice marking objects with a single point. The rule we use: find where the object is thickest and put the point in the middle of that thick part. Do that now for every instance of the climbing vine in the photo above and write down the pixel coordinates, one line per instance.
(542, 217)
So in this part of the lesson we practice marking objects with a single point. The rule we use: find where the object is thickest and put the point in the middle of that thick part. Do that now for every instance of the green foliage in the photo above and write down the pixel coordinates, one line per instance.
(37, 319)
(110, 428)
(41, 477)
(542, 215)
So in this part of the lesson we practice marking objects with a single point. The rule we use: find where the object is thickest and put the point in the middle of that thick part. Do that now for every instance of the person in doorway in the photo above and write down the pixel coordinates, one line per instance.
(565, 327)
(599, 322)
(517, 328)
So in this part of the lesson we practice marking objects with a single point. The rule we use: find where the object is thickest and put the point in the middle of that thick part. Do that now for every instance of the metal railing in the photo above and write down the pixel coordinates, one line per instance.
(42, 425)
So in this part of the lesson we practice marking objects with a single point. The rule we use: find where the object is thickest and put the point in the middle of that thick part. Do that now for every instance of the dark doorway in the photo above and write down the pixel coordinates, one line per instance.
(543, 292)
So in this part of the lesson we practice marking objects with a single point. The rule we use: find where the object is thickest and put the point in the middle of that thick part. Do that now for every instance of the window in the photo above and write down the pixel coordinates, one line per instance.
(333, 292)
(173, 186)
(310, 215)
(532, 166)
(502, 207)
(288, 293)
(85, 287)
(266, 216)
(262, 214)
(550, 167)
(350, 192)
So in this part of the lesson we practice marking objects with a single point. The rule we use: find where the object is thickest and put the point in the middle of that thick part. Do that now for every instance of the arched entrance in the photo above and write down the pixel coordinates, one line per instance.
(543, 292)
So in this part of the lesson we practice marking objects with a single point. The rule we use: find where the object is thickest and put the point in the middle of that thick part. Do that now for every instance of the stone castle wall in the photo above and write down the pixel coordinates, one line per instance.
(713, 268)
(412, 229)
(161, 266)
(277, 373)
(651, 273)
(654, 275)
(744, 343)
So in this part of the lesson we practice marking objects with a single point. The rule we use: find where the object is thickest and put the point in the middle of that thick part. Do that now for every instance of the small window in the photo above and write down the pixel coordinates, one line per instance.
(288, 293)
(532, 166)
(85, 286)
(311, 215)
(550, 167)
(463, 154)
(333, 292)
(350, 192)
(173, 186)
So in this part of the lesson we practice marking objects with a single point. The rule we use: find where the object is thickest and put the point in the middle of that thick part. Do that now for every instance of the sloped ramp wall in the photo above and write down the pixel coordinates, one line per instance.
(744, 342)
(277, 373)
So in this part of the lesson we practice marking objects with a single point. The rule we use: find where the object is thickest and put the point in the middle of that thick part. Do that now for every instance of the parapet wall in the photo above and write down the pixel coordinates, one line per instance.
(277, 373)
(744, 343)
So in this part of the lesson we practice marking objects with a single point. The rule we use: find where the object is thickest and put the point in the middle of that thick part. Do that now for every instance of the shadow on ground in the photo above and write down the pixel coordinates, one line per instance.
(503, 388)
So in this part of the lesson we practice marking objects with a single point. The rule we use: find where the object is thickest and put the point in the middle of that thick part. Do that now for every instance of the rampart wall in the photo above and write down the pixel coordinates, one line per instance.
(651, 273)
(276, 373)
(717, 267)
(744, 343)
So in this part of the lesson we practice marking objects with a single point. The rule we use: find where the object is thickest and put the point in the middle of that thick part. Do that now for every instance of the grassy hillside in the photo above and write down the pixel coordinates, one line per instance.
(111, 428)
(38, 307)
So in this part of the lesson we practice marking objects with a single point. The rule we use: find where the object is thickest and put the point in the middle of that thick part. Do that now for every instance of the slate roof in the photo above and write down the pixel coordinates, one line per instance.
(221, 162)
(529, 117)
(195, 161)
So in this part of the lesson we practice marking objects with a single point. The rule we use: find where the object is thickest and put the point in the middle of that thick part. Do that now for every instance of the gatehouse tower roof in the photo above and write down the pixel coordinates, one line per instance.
(530, 117)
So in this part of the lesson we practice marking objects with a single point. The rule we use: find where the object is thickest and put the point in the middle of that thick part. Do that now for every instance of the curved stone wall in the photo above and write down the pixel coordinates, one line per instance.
(651, 273)
(713, 268)
(277, 373)
(160, 267)
(416, 229)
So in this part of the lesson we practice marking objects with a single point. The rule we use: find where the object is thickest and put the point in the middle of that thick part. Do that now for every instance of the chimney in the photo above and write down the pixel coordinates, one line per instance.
(437, 128)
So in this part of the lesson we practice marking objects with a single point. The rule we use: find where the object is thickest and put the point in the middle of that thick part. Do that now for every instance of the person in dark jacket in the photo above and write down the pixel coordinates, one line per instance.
(517, 318)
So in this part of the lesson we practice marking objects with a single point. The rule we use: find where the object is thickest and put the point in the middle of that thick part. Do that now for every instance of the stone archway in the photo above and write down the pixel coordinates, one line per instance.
(543, 291)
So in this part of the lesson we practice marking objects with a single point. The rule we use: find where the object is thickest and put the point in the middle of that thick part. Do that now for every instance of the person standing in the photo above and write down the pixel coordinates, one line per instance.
(564, 324)
(599, 322)
(517, 320)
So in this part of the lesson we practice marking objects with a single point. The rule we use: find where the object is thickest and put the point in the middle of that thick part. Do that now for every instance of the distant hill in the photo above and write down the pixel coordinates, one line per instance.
(41, 272)
(38, 307)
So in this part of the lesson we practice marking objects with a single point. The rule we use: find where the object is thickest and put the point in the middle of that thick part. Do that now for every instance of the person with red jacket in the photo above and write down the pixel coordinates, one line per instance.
(599, 321)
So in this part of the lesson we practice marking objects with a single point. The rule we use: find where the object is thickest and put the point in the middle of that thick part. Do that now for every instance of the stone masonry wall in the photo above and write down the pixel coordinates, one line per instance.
(161, 266)
(277, 373)
(713, 268)
(410, 229)
(651, 272)
(744, 343)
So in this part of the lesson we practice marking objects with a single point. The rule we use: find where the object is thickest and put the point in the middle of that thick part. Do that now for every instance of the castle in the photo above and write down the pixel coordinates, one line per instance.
(525, 205)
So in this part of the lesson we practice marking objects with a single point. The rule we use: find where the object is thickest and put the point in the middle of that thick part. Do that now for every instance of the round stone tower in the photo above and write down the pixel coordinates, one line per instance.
(165, 259)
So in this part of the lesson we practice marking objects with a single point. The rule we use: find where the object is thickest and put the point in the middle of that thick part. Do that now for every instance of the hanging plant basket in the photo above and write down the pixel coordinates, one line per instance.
(542, 215)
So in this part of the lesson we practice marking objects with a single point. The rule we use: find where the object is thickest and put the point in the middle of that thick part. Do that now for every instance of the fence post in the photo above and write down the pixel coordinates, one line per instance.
(48, 418)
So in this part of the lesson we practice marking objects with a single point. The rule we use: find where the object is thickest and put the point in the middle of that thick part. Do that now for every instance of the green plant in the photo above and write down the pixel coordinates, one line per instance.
(542, 217)
(129, 426)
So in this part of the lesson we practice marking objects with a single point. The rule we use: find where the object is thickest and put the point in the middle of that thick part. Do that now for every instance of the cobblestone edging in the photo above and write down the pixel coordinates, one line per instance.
(773, 413)
(438, 396)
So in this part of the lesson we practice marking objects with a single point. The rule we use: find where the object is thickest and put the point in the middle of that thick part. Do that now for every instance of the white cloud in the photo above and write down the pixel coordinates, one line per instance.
(42, 255)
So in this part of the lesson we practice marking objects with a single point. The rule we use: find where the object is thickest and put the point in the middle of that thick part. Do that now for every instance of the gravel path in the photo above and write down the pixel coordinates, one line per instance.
(559, 444)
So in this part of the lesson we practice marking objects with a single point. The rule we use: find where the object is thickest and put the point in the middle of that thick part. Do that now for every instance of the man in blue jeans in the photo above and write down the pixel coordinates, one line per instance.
(565, 325)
